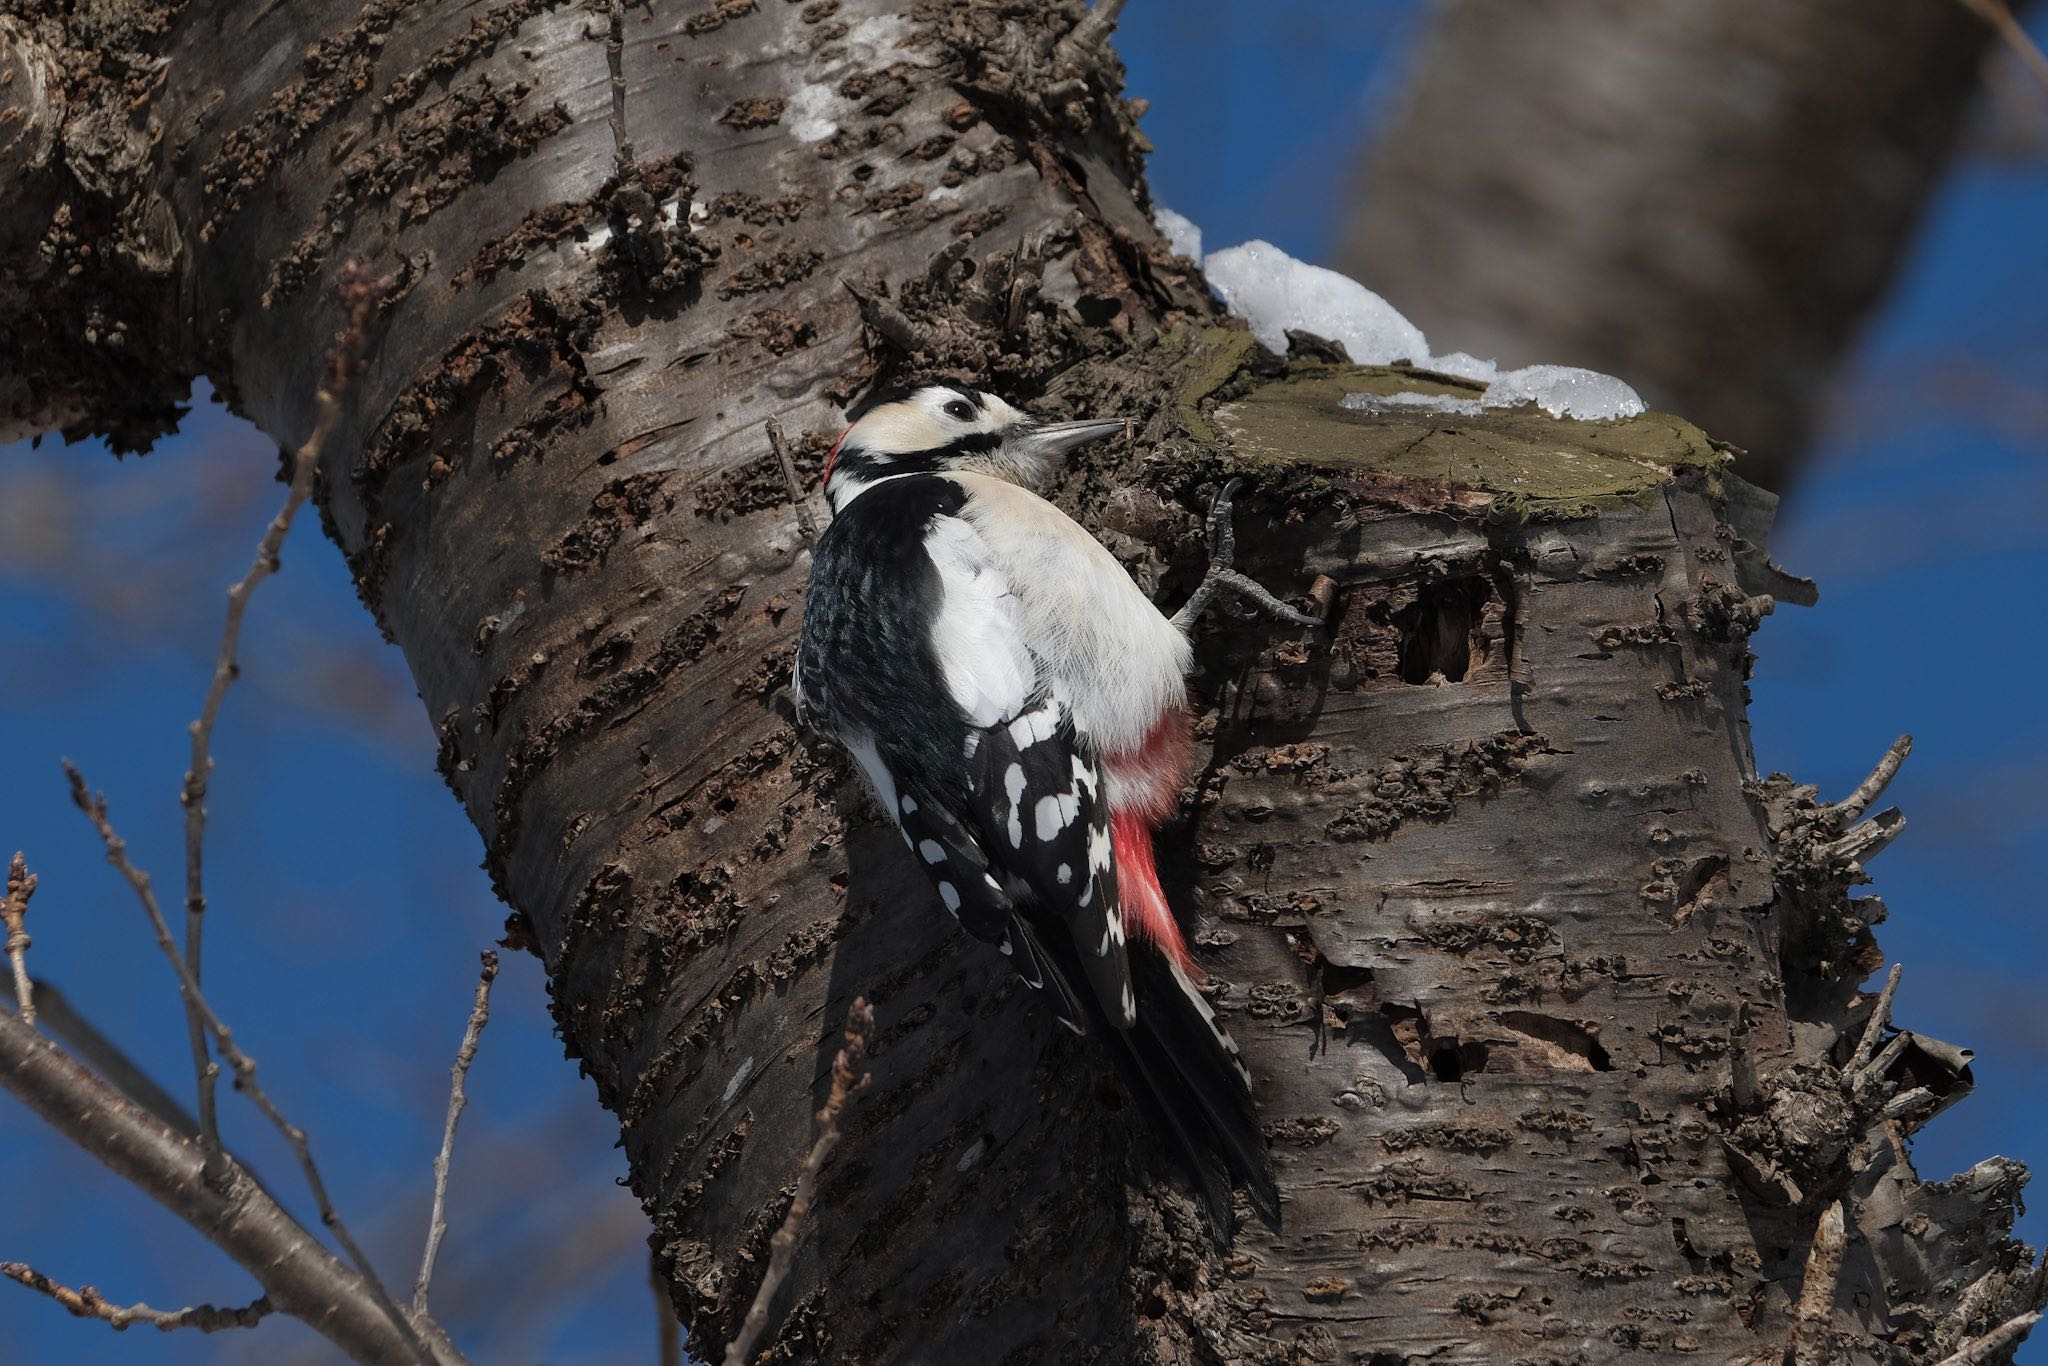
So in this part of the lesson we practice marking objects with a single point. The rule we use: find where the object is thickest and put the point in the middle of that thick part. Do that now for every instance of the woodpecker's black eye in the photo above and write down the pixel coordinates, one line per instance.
(960, 408)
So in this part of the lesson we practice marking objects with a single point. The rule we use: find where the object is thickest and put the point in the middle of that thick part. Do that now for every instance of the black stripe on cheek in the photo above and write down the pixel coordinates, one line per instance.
(974, 443)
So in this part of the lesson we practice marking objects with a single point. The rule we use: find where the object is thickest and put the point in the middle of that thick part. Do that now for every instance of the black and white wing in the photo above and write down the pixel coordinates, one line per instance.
(1030, 814)
(966, 739)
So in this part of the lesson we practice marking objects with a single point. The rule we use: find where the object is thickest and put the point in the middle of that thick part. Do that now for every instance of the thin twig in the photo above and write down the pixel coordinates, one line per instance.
(1871, 788)
(668, 1329)
(797, 499)
(847, 1081)
(437, 1225)
(1999, 15)
(1880, 1016)
(615, 58)
(891, 323)
(296, 1271)
(244, 1066)
(21, 885)
(1992, 1343)
(359, 296)
(1813, 1316)
(87, 1303)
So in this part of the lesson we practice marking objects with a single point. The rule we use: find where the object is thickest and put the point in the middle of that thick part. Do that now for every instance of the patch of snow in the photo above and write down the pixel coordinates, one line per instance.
(1411, 402)
(1181, 234)
(1560, 390)
(1565, 391)
(1465, 367)
(1274, 292)
(811, 112)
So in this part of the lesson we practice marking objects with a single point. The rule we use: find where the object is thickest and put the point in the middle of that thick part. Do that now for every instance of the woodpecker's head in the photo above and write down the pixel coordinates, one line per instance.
(943, 427)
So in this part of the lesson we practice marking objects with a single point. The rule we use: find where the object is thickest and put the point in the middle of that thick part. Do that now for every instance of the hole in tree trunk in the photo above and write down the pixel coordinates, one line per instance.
(1440, 630)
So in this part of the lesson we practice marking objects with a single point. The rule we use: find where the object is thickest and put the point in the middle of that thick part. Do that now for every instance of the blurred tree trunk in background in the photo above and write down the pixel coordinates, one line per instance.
(1705, 197)
(1553, 1009)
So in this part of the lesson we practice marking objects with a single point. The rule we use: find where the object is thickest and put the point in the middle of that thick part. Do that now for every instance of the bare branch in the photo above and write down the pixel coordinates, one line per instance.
(889, 321)
(847, 1082)
(2013, 34)
(1866, 841)
(299, 1276)
(95, 808)
(1992, 1343)
(103, 1055)
(87, 1303)
(797, 498)
(1091, 33)
(615, 59)
(359, 295)
(21, 885)
(1813, 1316)
(437, 1225)
(1880, 1017)
(1871, 788)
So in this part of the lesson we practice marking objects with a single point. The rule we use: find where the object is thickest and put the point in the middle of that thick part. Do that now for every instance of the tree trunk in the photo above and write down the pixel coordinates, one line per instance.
(1547, 999)
(1704, 196)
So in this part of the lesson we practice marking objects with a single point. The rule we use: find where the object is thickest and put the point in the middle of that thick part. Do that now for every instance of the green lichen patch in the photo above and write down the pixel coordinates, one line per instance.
(1531, 464)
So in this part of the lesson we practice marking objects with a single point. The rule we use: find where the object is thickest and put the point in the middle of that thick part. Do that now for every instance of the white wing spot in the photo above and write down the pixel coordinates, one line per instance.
(1098, 849)
(950, 894)
(1065, 874)
(909, 805)
(932, 850)
(1013, 784)
(1055, 813)
(1033, 726)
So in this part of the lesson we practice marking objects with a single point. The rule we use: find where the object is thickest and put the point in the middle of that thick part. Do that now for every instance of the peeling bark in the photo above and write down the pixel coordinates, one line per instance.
(1549, 1000)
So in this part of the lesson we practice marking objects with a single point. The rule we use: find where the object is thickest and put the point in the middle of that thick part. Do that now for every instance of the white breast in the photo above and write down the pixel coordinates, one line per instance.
(1121, 663)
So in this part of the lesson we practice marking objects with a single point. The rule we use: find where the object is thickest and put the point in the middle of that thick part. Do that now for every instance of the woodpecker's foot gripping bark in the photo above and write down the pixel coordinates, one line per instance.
(1222, 553)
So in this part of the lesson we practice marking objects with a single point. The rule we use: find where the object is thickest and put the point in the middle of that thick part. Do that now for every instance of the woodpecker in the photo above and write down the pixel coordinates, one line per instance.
(1020, 709)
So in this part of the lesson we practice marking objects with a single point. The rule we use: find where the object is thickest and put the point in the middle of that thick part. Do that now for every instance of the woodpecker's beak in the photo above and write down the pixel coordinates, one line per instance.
(1050, 439)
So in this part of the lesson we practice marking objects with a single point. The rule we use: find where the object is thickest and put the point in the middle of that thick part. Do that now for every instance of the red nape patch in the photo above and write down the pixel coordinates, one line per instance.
(832, 459)
(1145, 912)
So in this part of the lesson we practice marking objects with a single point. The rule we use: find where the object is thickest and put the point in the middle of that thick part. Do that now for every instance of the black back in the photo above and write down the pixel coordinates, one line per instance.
(873, 596)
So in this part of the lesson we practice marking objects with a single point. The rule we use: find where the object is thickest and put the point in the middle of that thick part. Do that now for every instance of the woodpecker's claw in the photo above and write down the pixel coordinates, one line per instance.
(1222, 553)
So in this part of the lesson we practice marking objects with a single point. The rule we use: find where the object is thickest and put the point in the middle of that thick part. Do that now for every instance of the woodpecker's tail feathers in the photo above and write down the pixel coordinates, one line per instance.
(1041, 970)
(1187, 1073)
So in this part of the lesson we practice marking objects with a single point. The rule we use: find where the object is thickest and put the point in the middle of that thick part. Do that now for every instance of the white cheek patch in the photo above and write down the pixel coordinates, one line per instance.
(899, 429)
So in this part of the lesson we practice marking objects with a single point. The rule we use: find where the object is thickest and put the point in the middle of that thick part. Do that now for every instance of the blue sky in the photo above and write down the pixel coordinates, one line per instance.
(349, 909)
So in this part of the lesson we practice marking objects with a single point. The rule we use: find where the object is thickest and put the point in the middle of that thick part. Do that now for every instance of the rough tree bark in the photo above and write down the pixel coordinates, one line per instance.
(1548, 999)
(1707, 196)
